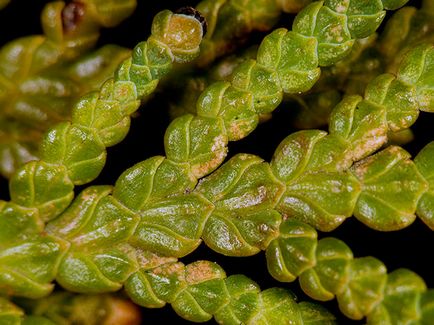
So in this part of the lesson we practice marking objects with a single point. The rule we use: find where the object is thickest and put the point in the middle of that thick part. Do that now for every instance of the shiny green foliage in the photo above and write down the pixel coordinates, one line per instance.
(327, 268)
(387, 176)
(29, 261)
(369, 57)
(229, 21)
(322, 35)
(75, 151)
(237, 210)
(313, 193)
(256, 87)
(201, 290)
(130, 235)
(243, 191)
(43, 187)
(243, 207)
(425, 166)
(42, 76)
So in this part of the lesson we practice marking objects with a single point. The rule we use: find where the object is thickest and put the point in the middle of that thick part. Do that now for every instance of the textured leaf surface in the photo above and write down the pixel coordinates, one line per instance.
(319, 197)
(401, 302)
(28, 267)
(42, 186)
(244, 193)
(392, 186)
(329, 276)
(367, 280)
(172, 226)
(292, 252)
(425, 165)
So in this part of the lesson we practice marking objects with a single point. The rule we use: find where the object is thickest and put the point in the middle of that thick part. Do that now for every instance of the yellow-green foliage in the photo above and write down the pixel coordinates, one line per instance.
(130, 235)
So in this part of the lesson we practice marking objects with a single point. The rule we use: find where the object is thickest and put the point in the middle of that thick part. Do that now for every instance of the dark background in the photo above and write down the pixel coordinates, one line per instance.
(410, 248)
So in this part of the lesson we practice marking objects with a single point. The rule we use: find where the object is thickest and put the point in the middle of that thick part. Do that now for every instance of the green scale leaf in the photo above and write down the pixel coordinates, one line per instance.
(334, 40)
(203, 293)
(292, 252)
(141, 287)
(363, 19)
(425, 165)
(164, 281)
(397, 99)
(18, 223)
(313, 314)
(392, 186)
(171, 220)
(234, 106)
(97, 227)
(152, 180)
(329, 276)
(172, 226)
(77, 148)
(276, 305)
(106, 116)
(361, 125)
(365, 288)
(261, 82)
(314, 194)
(42, 186)
(199, 141)
(244, 193)
(401, 302)
(417, 69)
(243, 301)
(295, 60)
(29, 258)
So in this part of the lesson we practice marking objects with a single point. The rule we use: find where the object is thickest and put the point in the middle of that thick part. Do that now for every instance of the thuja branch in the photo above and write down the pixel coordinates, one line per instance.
(236, 209)
(229, 24)
(155, 205)
(230, 21)
(201, 290)
(287, 62)
(311, 177)
(368, 58)
(326, 268)
(74, 152)
(405, 29)
(246, 193)
(41, 76)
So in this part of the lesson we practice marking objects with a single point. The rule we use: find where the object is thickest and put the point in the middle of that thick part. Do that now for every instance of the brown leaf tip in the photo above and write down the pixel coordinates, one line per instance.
(190, 11)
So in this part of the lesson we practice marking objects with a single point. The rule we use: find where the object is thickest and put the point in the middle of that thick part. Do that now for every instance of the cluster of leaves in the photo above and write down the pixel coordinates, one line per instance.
(131, 235)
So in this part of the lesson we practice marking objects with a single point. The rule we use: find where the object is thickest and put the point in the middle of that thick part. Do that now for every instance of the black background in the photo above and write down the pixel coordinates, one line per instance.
(410, 248)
